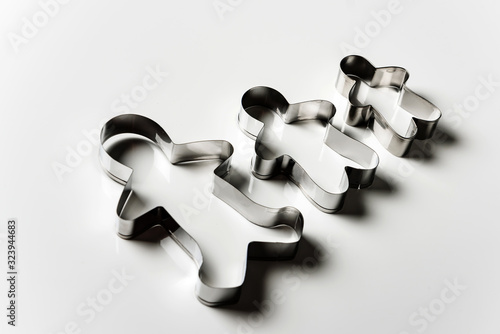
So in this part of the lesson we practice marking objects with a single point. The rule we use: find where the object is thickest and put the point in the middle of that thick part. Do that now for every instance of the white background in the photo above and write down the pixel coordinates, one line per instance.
(388, 254)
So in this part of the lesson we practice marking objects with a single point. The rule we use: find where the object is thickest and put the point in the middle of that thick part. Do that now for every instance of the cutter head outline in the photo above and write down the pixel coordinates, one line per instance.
(190, 152)
(322, 110)
(422, 124)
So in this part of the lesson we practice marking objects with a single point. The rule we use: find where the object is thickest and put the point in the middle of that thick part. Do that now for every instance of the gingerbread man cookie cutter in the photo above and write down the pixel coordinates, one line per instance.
(209, 291)
(356, 163)
(413, 117)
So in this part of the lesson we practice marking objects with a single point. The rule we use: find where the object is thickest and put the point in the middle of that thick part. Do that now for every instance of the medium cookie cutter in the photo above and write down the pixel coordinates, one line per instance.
(359, 175)
(191, 152)
(423, 119)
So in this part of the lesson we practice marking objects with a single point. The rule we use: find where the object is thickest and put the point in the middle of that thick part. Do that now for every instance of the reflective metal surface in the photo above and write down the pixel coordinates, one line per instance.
(419, 116)
(288, 154)
(209, 290)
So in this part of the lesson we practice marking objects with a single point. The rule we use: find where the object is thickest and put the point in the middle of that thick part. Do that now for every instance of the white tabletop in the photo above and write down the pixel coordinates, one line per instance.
(416, 252)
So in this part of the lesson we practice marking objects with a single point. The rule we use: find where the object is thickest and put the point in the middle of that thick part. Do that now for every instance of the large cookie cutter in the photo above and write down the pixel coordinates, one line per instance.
(423, 116)
(360, 174)
(190, 152)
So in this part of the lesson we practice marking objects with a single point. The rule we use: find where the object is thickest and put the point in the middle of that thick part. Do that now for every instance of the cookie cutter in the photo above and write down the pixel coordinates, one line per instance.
(422, 116)
(359, 174)
(191, 152)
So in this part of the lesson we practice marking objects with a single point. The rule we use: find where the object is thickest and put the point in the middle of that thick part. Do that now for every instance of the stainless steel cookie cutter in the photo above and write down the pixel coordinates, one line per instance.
(421, 116)
(359, 163)
(265, 217)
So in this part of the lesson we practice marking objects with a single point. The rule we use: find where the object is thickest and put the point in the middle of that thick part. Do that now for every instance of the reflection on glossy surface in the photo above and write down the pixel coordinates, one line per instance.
(179, 197)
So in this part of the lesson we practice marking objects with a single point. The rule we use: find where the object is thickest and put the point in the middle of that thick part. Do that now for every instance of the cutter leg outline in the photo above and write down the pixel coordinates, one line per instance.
(423, 122)
(364, 157)
(190, 152)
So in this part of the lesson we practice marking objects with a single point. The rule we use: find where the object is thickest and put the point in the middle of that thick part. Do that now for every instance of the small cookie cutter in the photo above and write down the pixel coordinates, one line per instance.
(422, 119)
(359, 174)
(190, 152)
